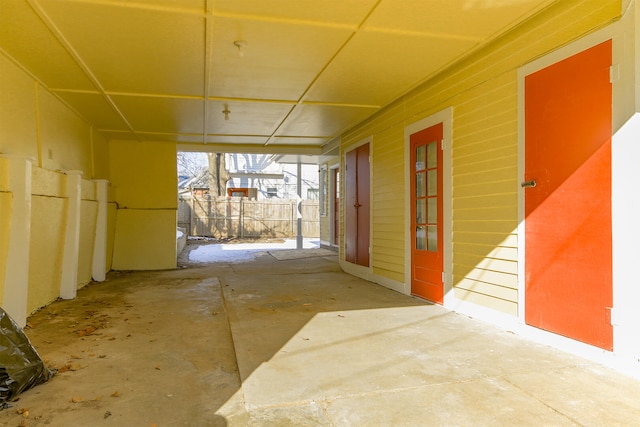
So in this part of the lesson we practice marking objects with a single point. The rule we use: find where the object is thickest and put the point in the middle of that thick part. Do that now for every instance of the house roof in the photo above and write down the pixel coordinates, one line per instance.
(279, 76)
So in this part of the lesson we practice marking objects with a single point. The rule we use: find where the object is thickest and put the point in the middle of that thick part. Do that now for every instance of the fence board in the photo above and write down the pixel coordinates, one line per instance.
(240, 217)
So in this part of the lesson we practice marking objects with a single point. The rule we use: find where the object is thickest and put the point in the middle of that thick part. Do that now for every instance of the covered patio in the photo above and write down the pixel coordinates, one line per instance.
(287, 338)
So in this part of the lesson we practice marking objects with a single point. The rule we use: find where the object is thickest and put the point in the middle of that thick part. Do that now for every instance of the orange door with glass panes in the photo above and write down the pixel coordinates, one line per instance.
(567, 197)
(426, 214)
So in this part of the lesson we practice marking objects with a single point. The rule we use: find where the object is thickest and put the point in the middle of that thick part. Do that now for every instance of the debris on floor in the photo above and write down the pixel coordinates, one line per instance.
(20, 365)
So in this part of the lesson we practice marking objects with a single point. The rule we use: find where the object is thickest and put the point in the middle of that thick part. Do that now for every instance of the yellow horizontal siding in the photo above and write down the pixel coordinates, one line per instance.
(482, 89)
(489, 301)
(382, 229)
(461, 272)
(387, 263)
(387, 184)
(492, 239)
(499, 213)
(485, 189)
(494, 148)
(495, 226)
(488, 289)
(389, 274)
(472, 201)
(492, 252)
(508, 173)
(487, 263)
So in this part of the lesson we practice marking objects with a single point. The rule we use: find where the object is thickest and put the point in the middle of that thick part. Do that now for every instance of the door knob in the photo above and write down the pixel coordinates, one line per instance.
(528, 184)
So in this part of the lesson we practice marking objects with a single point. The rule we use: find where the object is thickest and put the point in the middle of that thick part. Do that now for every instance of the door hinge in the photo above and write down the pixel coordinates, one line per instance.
(442, 144)
(612, 316)
(614, 73)
(443, 277)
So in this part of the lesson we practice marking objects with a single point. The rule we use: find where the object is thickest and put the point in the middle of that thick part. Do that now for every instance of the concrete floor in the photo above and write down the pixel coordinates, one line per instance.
(288, 339)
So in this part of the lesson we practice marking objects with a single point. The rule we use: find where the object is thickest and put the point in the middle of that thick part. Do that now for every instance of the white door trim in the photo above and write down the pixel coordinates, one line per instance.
(446, 118)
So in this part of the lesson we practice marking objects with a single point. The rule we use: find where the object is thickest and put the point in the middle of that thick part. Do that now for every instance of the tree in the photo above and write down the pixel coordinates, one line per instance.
(189, 164)
(218, 174)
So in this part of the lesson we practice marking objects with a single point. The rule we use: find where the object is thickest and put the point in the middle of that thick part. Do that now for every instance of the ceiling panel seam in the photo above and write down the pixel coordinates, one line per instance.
(208, 61)
(42, 84)
(281, 20)
(323, 69)
(422, 34)
(76, 57)
(128, 4)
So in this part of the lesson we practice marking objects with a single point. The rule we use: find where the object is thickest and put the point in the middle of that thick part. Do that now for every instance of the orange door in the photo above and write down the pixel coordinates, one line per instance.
(568, 267)
(426, 214)
(356, 245)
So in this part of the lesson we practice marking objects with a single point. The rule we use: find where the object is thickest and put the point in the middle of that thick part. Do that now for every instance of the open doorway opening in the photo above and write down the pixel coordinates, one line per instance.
(247, 196)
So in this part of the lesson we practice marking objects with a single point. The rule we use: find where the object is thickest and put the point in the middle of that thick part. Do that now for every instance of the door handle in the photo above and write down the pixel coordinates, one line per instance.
(357, 205)
(528, 184)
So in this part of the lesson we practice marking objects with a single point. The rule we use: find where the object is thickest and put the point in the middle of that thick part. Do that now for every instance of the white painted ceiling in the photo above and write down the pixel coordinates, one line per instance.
(309, 69)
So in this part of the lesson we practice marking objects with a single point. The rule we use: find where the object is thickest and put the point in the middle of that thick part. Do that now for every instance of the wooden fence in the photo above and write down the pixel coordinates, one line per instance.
(240, 217)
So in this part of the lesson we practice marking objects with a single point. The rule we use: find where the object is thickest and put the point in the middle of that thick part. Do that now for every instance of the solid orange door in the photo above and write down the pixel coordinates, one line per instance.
(568, 266)
(426, 214)
(356, 242)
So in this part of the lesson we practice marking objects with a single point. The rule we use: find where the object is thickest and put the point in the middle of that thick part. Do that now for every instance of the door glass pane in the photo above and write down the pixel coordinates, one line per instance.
(421, 209)
(421, 238)
(432, 182)
(420, 187)
(432, 155)
(432, 238)
(432, 210)
(420, 158)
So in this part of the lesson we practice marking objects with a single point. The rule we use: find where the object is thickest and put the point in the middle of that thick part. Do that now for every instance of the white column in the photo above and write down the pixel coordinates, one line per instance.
(16, 280)
(99, 268)
(299, 241)
(69, 282)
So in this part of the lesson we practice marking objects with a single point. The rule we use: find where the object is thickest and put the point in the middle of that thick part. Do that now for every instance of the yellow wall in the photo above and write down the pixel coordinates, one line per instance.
(5, 215)
(45, 256)
(48, 223)
(482, 89)
(100, 155)
(143, 175)
(5, 211)
(18, 122)
(37, 125)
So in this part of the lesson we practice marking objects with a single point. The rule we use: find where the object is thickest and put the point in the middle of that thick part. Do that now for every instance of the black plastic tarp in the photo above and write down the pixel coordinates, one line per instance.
(20, 365)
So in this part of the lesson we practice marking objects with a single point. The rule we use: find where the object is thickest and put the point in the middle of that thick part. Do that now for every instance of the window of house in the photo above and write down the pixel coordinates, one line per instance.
(272, 192)
(312, 194)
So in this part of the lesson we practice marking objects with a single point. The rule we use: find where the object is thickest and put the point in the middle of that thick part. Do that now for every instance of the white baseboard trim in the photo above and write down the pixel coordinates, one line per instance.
(506, 322)
(367, 274)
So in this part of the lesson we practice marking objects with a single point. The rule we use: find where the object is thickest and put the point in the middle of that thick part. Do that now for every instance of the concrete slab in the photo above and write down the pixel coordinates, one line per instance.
(479, 402)
(297, 342)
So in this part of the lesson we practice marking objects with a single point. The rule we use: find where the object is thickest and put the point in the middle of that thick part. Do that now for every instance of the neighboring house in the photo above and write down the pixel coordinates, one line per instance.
(197, 185)
(271, 178)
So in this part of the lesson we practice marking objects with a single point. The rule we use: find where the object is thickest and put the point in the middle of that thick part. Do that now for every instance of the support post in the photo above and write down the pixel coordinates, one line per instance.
(16, 280)
(99, 267)
(69, 282)
(299, 244)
